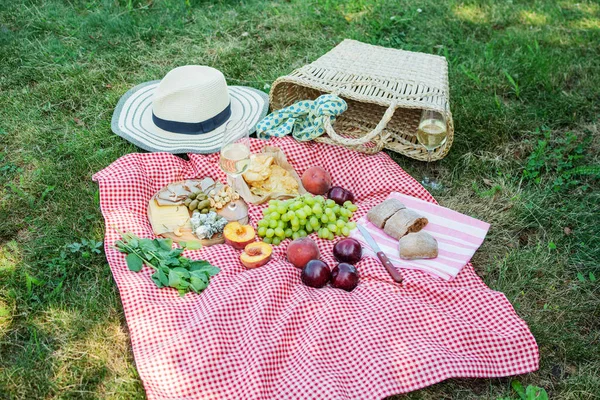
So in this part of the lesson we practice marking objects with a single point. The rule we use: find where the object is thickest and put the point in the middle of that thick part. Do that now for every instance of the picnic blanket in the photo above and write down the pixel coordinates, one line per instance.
(458, 236)
(262, 334)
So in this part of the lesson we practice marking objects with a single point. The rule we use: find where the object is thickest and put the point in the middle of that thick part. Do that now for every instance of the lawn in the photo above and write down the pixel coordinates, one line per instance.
(525, 84)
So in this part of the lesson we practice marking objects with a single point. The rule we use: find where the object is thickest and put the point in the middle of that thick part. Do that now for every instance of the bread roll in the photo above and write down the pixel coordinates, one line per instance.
(418, 245)
(384, 210)
(403, 222)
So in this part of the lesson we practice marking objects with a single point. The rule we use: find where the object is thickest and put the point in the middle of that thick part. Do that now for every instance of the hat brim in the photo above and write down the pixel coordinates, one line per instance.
(132, 120)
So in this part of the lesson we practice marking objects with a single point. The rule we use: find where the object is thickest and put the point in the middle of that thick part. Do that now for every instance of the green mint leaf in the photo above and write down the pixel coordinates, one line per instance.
(147, 245)
(162, 276)
(176, 252)
(580, 277)
(200, 275)
(204, 266)
(192, 245)
(164, 244)
(172, 262)
(182, 272)
(198, 264)
(198, 284)
(156, 279)
(164, 267)
(134, 262)
(592, 277)
(183, 285)
(184, 262)
(174, 279)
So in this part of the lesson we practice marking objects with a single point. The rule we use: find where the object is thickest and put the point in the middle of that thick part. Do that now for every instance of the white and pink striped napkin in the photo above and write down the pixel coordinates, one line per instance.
(458, 237)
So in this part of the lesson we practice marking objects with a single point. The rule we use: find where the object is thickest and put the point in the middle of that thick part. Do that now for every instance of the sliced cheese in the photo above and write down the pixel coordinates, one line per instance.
(167, 218)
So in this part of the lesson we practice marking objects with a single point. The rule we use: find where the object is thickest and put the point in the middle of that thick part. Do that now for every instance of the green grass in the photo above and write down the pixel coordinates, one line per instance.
(523, 74)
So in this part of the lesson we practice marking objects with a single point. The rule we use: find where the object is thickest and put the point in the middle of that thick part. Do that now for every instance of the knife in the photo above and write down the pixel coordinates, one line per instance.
(394, 273)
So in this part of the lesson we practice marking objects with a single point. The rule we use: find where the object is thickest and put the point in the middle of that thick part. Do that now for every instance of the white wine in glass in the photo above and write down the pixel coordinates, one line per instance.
(235, 150)
(431, 134)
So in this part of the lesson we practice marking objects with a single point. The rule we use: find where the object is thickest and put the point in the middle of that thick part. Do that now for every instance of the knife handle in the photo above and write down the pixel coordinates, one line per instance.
(394, 273)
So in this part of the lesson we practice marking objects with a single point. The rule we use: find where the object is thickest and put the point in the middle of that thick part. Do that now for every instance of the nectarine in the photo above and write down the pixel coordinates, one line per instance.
(256, 254)
(301, 251)
(316, 180)
(237, 235)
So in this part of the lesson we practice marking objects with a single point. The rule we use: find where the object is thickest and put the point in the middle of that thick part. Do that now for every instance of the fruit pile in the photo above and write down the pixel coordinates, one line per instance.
(304, 253)
(238, 236)
(298, 217)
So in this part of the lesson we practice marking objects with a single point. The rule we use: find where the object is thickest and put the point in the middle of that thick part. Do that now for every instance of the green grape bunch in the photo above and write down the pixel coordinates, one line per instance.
(300, 216)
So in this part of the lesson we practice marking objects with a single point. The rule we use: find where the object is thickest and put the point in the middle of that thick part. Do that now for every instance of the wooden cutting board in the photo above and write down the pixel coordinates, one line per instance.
(166, 220)
(188, 236)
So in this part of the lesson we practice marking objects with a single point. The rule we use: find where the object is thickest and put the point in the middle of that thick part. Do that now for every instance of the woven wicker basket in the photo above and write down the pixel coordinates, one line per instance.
(386, 90)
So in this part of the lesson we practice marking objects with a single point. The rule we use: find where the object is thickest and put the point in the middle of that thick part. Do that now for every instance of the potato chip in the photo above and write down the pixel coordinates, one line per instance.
(259, 169)
(264, 177)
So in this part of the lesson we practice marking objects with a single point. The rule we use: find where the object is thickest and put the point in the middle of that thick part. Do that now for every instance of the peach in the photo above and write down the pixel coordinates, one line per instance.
(237, 235)
(301, 251)
(256, 254)
(316, 180)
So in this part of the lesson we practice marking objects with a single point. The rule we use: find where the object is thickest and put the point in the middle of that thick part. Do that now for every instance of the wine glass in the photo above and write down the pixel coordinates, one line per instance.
(234, 159)
(431, 134)
(235, 149)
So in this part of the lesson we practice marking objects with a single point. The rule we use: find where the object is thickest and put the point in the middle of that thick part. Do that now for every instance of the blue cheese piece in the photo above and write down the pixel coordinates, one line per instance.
(206, 225)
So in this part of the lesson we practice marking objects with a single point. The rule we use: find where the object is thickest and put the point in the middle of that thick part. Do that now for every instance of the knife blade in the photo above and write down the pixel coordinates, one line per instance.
(394, 273)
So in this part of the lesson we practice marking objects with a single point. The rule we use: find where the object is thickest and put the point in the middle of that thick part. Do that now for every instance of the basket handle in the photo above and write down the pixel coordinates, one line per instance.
(387, 116)
(390, 93)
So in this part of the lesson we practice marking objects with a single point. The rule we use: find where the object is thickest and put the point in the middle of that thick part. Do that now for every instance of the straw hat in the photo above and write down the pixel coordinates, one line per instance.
(186, 111)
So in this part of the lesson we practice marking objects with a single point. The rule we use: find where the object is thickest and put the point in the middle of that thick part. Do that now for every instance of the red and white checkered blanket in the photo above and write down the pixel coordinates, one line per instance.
(262, 334)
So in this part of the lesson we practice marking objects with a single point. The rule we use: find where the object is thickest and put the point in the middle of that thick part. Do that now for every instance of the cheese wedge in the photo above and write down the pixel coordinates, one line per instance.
(167, 218)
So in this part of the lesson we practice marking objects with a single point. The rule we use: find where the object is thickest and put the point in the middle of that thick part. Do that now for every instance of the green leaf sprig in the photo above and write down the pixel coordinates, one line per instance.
(171, 268)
